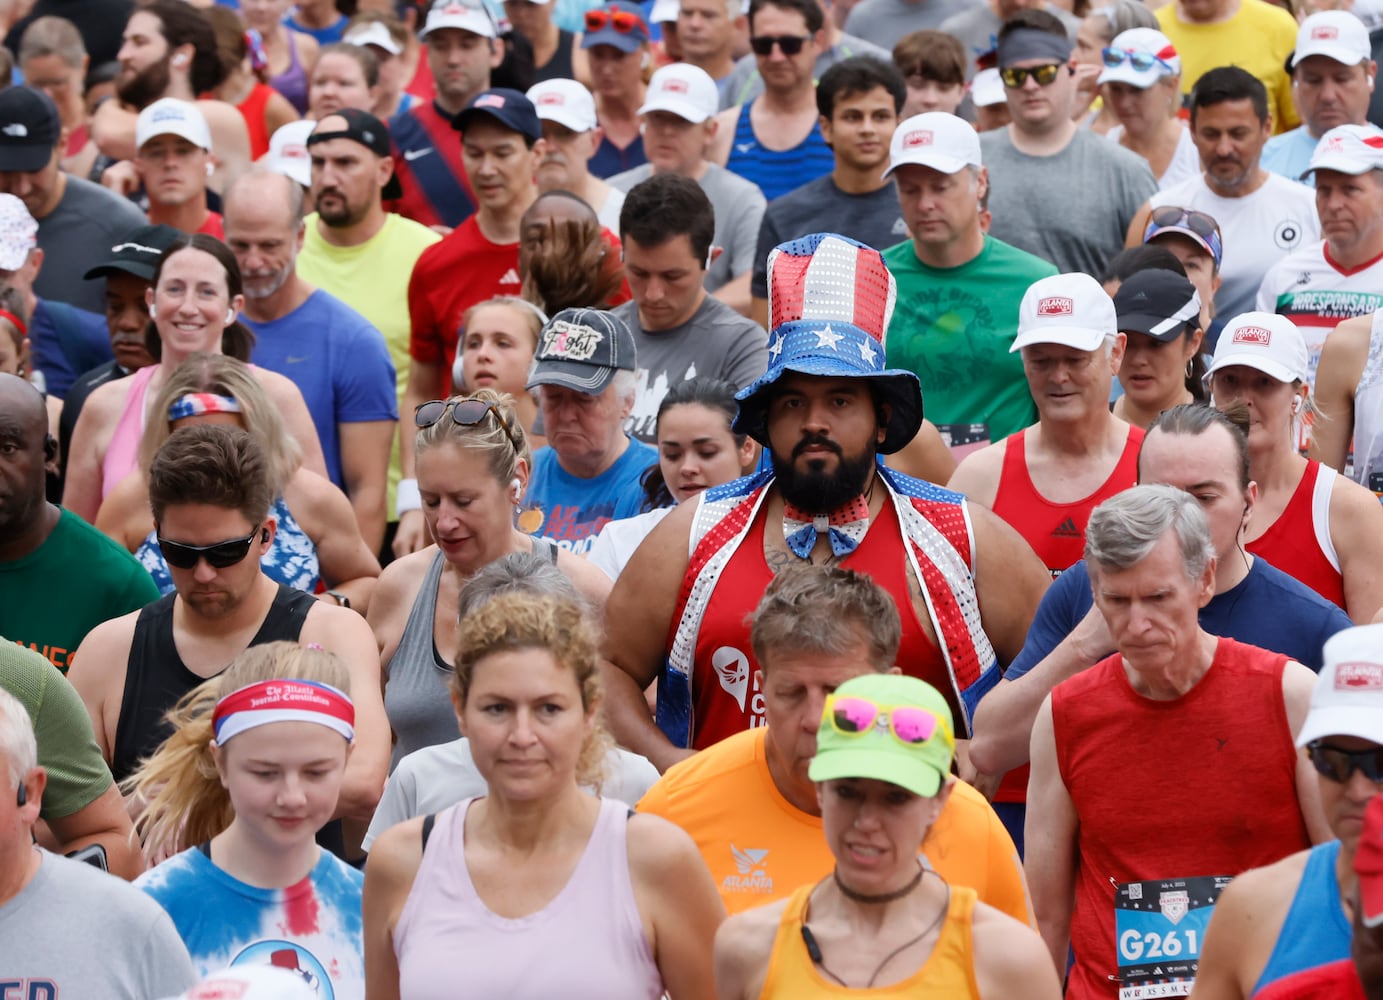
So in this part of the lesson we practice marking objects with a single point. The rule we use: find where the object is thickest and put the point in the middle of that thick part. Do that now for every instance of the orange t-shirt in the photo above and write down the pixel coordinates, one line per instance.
(759, 847)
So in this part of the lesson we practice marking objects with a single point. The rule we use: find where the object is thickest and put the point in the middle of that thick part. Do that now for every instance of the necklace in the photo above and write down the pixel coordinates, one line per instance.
(887, 897)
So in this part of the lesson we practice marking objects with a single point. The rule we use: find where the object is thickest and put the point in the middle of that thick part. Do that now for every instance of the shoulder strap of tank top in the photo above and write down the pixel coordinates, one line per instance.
(286, 616)
(545, 547)
(429, 821)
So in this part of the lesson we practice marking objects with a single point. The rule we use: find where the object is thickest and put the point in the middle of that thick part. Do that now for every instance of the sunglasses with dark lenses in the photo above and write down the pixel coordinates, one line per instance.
(466, 412)
(218, 556)
(1014, 77)
(790, 45)
(1141, 61)
(911, 725)
(1198, 222)
(1340, 765)
(622, 21)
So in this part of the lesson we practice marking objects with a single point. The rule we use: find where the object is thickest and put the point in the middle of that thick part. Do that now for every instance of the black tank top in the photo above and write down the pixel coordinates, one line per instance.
(155, 677)
(559, 67)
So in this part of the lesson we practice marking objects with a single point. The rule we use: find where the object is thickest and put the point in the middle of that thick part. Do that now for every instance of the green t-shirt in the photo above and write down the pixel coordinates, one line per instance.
(77, 774)
(77, 579)
(954, 326)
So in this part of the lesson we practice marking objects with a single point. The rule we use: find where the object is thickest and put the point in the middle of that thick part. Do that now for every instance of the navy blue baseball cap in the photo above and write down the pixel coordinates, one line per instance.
(510, 108)
(619, 24)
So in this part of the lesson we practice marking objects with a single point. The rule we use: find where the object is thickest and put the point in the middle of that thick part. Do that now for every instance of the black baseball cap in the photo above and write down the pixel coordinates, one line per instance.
(582, 349)
(510, 108)
(138, 253)
(1161, 304)
(29, 129)
(370, 132)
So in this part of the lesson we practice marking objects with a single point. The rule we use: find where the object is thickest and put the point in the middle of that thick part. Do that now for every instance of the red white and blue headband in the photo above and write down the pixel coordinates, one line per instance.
(266, 702)
(196, 404)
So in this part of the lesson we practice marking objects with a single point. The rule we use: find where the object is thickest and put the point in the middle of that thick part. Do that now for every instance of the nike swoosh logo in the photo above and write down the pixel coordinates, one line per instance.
(291, 360)
(744, 147)
(412, 154)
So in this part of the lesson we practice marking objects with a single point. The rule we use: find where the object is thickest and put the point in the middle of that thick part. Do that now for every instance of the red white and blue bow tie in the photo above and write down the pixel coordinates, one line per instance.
(846, 527)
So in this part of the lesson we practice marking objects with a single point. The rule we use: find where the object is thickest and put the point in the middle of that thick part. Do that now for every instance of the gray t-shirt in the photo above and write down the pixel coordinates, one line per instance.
(77, 933)
(884, 22)
(1073, 208)
(744, 83)
(820, 207)
(78, 235)
(739, 208)
(978, 30)
(717, 342)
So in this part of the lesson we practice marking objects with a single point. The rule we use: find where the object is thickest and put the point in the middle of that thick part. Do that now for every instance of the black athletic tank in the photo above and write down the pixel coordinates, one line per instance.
(559, 67)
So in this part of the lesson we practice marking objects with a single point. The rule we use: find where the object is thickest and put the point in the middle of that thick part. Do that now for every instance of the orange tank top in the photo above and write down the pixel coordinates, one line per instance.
(948, 972)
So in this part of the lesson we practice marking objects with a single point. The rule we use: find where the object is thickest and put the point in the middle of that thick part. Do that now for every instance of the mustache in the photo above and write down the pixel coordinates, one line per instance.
(812, 440)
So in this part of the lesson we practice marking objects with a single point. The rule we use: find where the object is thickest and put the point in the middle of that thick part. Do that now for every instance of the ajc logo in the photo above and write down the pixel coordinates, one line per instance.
(917, 137)
(1056, 305)
(1253, 335)
(1359, 677)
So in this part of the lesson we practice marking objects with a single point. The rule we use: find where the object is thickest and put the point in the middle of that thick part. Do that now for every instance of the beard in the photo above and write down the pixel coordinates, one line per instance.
(263, 285)
(145, 86)
(338, 213)
(815, 490)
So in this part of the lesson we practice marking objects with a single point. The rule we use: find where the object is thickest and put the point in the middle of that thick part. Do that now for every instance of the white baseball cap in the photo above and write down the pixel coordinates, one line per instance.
(565, 102)
(251, 982)
(664, 11)
(1142, 44)
(1348, 697)
(18, 233)
(170, 116)
(464, 15)
(1335, 34)
(373, 33)
(987, 89)
(1073, 310)
(934, 139)
(684, 90)
(1266, 342)
(1350, 149)
(288, 153)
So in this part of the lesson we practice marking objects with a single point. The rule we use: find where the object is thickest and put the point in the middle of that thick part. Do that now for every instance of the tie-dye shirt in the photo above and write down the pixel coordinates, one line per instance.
(312, 928)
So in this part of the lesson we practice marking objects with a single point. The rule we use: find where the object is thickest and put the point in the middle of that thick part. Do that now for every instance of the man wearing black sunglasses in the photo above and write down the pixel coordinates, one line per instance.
(1293, 915)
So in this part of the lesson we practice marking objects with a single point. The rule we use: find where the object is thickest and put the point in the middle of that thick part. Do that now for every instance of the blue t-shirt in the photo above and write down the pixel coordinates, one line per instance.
(1289, 154)
(325, 36)
(66, 343)
(1268, 609)
(337, 360)
(575, 509)
(313, 928)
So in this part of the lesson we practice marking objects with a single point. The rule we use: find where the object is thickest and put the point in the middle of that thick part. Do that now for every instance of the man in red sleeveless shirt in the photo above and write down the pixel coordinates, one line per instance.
(1164, 771)
(965, 583)
(1046, 479)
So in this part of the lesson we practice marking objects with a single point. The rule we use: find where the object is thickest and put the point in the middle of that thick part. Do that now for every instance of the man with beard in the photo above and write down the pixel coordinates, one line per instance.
(1262, 215)
(331, 352)
(355, 250)
(209, 488)
(76, 219)
(169, 50)
(966, 584)
(59, 577)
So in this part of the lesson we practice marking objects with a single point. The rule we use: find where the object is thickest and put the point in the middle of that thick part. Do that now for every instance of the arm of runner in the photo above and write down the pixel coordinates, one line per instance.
(394, 862)
(1010, 958)
(1342, 362)
(1298, 682)
(1233, 924)
(1050, 840)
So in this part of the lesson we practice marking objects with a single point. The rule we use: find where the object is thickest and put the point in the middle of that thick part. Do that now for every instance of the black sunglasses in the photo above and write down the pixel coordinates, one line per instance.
(466, 412)
(1339, 765)
(1014, 76)
(789, 44)
(1198, 222)
(218, 556)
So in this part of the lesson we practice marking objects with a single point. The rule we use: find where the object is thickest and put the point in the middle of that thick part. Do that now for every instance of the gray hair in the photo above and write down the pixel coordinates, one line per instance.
(625, 384)
(17, 741)
(516, 573)
(1124, 15)
(52, 36)
(1126, 527)
(826, 609)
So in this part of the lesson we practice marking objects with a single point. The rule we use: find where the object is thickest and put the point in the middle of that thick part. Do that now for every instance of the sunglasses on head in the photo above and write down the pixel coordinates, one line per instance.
(1340, 765)
(789, 45)
(1198, 222)
(622, 21)
(1141, 61)
(1014, 76)
(911, 725)
(218, 555)
(466, 412)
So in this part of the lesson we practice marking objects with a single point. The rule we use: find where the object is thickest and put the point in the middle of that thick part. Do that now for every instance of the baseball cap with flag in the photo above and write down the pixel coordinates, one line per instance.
(934, 139)
(1349, 149)
(830, 300)
(511, 108)
(1335, 34)
(1266, 342)
(1073, 310)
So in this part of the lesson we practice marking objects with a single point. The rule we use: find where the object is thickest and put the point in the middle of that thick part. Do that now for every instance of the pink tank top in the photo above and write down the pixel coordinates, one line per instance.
(122, 454)
(587, 944)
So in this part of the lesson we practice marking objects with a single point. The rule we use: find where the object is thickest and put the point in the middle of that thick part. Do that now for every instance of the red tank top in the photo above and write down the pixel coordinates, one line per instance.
(1056, 531)
(1195, 788)
(252, 110)
(1291, 543)
(727, 699)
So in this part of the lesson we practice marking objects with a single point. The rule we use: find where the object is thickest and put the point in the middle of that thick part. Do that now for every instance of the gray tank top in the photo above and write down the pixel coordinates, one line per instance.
(416, 698)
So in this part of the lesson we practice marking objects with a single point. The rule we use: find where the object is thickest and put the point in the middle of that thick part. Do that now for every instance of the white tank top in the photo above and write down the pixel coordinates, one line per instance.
(1368, 413)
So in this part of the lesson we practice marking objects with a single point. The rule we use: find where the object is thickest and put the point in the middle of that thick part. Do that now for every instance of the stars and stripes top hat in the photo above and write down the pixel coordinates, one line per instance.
(830, 299)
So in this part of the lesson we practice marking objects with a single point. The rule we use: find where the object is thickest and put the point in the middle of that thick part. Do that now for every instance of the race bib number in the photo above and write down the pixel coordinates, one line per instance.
(1159, 928)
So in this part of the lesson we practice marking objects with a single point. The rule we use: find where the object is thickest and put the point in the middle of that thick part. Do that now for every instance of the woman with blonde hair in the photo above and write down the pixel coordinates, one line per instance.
(250, 774)
(618, 902)
(473, 463)
(318, 543)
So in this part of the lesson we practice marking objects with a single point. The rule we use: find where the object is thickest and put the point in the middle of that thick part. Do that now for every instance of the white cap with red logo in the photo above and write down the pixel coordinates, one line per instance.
(1073, 310)
(565, 102)
(934, 139)
(1349, 149)
(683, 90)
(1266, 342)
(1335, 34)
(1348, 697)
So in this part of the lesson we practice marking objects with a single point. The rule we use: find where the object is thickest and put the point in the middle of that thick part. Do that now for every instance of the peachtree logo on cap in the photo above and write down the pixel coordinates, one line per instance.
(1359, 677)
(673, 86)
(917, 137)
(1334, 144)
(1056, 305)
(1253, 335)
(15, 129)
(452, 8)
(550, 98)
(1324, 32)
(570, 341)
(489, 101)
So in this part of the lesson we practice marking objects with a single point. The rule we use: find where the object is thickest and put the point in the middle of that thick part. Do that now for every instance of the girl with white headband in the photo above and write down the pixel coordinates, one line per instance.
(241, 788)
